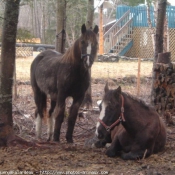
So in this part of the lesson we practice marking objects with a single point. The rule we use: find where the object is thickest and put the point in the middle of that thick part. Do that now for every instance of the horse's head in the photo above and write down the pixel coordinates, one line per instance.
(111, 112)
(88, 45)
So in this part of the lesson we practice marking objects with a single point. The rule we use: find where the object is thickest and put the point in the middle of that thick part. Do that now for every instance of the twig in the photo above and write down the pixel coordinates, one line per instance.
(2, 18)
(19, 110)
(84, 128)
(78, 135)
(27, 149)
(144, 154)
(92, 120)
(15, 123)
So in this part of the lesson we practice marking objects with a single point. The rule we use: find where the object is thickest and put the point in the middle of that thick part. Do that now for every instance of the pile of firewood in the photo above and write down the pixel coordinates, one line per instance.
(164, 89)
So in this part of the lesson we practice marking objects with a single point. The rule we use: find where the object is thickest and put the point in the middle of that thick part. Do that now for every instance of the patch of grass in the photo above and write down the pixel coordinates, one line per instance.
(23, 68)
(122, 73)
(99, 69)
(120, 69)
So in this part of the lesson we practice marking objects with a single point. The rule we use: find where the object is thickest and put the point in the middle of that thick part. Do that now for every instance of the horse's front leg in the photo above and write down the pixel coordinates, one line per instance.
(100, 143)
(72, 119)
(59, 114)
(114, 148)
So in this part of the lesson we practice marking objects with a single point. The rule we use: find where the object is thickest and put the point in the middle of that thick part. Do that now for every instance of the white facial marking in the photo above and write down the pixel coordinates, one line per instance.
(88, 52)
(38, 126)
(51, 126)
(88, 61)
(102, 114)
(89, 48)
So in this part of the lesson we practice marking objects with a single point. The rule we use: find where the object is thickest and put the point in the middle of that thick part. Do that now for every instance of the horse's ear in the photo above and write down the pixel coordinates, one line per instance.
(106, 87)
(96, 29)
(83, 29)
(117, 91)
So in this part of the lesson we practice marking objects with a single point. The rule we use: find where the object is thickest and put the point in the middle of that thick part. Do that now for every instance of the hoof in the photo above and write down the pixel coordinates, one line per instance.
(125, 156)
(38, 139)
(100, 144)
(49, 139)
(56, 140)
(70, 141)
(110, 153)
(130, 156)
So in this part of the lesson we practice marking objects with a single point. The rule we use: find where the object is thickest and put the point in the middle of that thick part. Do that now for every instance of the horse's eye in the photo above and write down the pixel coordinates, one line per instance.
(109, 103)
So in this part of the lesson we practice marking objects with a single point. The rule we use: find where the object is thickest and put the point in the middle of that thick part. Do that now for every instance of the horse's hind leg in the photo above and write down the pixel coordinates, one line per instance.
(134, 155)
(40, 101)
(138, 153)
(114, 148)
(51, 121)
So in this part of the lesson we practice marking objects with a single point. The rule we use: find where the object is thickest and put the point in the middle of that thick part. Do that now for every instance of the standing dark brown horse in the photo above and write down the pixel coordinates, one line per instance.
(141, 132)
(61, 76)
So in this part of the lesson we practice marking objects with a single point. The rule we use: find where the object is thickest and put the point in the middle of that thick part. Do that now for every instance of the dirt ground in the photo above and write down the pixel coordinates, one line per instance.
(77, 158)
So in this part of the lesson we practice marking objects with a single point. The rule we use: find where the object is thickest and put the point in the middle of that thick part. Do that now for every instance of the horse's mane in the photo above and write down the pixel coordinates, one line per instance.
(137, 99)
(69, 55)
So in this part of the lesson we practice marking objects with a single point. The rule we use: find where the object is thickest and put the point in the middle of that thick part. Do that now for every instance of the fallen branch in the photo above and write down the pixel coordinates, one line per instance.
(144, 155)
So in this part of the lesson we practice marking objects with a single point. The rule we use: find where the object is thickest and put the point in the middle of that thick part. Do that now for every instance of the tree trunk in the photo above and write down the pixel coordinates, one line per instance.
(161, 12)
(89, 23)
(90, 14)
(7, 69)
(160, 28)
(61, 26)
(165, 40)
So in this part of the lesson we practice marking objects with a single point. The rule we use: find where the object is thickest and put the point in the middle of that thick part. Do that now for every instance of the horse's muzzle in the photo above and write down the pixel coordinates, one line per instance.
(85, 55)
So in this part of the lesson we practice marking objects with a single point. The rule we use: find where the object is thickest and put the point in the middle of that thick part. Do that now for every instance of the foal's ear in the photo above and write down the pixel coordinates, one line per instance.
(106, 88)
(96, 29)
(83, 29)
(117, 91)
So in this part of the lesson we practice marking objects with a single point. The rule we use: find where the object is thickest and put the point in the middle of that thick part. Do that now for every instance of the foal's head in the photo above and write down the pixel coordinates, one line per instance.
(88, 43)
(110, 112)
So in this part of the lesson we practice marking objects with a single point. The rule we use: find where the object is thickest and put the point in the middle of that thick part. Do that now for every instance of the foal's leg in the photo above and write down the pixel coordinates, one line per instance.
(137, 152)
(51, 121)
(114, 148)
(134, 155)
(59, 113)
(100, 143)
(40, 101)
(72, 119)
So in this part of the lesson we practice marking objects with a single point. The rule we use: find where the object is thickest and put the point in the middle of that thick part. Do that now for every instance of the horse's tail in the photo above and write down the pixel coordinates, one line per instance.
(39, 96)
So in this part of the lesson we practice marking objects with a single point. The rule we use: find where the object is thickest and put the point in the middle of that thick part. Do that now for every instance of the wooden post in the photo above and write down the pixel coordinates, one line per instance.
(14, 83)
(101, 39)
(138, 77)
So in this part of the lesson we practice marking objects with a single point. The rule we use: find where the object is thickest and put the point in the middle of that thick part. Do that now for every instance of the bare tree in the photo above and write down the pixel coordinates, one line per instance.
(89, 23)
(90, 14)
(61, 25)
(7, 69)
(161, 12)
(160, 28)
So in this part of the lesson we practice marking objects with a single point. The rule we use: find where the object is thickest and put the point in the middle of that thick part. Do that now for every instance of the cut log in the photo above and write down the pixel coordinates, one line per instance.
(164, 86)
(164, 58)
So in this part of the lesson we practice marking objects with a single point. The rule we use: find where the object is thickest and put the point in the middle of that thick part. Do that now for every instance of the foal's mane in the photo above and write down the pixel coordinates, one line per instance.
(136, 99)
